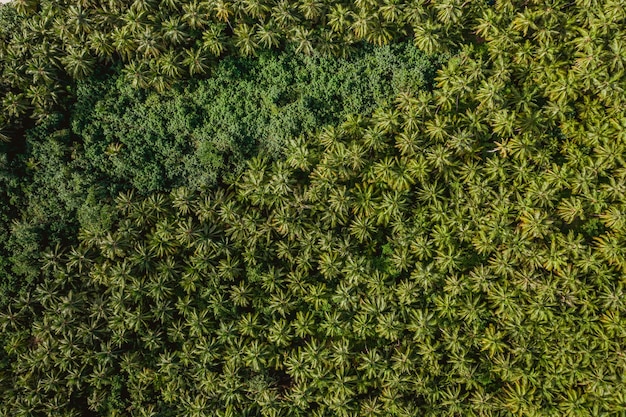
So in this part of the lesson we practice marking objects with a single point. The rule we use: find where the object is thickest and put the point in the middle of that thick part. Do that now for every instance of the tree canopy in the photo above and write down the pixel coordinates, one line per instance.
(457, 248)
(117, 138)
(382, 268)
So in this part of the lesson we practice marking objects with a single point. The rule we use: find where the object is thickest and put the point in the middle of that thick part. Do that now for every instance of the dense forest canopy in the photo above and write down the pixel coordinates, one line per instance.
(117, 137)
(313, 208)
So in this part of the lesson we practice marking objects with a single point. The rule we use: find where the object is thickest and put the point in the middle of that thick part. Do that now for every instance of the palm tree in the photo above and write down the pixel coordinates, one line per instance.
(441, 158)
(284, 14)
(188, 232)
(195, 61)
(391, 205)
(256, 9)
(386, 120)
(375, 139)
(223, 10)
(362, 23)
(184, 200)
(328, 43)
(159, 81)
(135, 21)
(380, 33)
(14, 105)
(172, 5)
(213, 39)
(364, 200)
(489, 94)
(102, 45)
(12, 74)
(142, 6)
(148, 44)
(393, 11)
(25, 7)
(339, 18)
(169, 64)
(78, 258)
(303, 39)
(268, 36)
(40, 70)
(371, 364)
(78, 18)
(173, 30)
(371, 407)
(610, 249)
(535, 223)
(136, 74)
(244, 39)
(312, 10)
(436, 128)
(124, 43)
(427, 36)
(194, 15)
(38, 95)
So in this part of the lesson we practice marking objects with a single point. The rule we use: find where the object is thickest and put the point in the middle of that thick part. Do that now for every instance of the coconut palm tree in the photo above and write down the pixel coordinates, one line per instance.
(214, 40)
(245, 39)
(170, 65)
(14, 105)
(124, 43)
(173, 30)
(148, 44)
(79, 20)
(268, 36)
(257, 9)
(194, 15)
(25, 7)
(427, 36)
(136, 74)
(102, 45)
(339, 18)
(362, 23)
(284, 14)
(223, 10)
(302, 38)
(381, 33)
(393, 11)
(195, 61)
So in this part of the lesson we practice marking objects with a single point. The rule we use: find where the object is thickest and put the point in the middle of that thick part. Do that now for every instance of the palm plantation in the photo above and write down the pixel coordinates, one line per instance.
(312, 208)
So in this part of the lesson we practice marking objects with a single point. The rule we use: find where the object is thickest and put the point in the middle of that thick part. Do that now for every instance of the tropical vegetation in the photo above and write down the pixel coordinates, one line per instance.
(313, 208)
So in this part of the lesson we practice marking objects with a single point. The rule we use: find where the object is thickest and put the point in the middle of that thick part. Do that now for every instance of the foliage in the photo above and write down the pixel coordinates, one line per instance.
(9, 21)
(7, 182)
(457, 252)
(120, 138)
(160, 42)
(196, 133)
(385, 267)
(47, 188)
